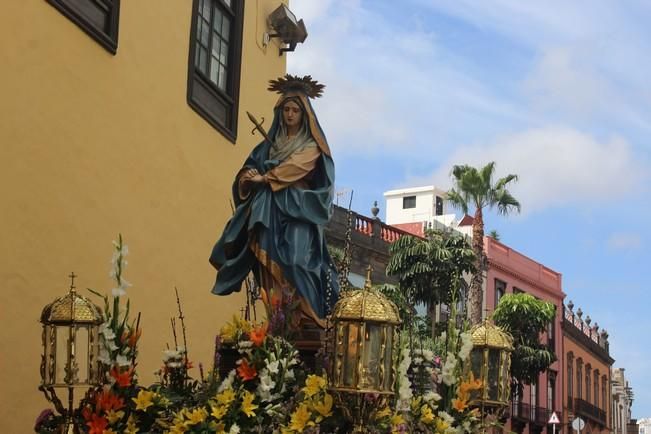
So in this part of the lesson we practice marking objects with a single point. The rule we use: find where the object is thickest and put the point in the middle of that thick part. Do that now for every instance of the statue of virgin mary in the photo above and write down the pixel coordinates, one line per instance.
(283, 196)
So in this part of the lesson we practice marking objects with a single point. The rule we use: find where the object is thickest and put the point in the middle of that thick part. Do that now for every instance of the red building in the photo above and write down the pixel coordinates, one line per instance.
(509, 271)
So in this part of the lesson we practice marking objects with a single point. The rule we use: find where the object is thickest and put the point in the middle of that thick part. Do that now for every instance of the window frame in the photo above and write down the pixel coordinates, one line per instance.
(596, 387)
(499, 294)
(551, 390)
(74, 11)
(579, 378)
(588, 382)
(200, 89)
(405, 199)
(570, 379)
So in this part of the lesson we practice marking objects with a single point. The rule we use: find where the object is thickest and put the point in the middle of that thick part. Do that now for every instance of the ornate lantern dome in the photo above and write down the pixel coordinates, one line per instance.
(363, 340)
(490, 361)
(70, 344)
(71, 308)
(487, 334)
(365, 305)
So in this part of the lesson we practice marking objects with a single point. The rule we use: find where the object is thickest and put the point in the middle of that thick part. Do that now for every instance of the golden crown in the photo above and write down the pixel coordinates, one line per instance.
(290, 83)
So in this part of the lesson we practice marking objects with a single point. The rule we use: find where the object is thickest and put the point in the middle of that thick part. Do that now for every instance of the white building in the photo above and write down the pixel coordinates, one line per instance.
(622, 401)
(421, 206)
(644, 425)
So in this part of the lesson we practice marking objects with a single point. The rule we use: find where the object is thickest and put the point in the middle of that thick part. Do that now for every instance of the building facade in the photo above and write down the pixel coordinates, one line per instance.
(622, 400)
(122, 117)
(644, 425)
(587, 365)
(509, 272)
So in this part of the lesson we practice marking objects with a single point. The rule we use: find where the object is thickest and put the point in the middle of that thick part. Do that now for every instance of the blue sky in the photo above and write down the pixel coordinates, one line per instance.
(557, 92)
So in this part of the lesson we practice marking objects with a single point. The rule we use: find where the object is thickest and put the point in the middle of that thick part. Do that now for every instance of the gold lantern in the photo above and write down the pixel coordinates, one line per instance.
(490, 361)
(363, 349)
(70, 350)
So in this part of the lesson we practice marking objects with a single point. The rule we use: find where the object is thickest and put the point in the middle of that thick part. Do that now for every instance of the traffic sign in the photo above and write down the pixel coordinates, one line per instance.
(553, 419)
(578, 424)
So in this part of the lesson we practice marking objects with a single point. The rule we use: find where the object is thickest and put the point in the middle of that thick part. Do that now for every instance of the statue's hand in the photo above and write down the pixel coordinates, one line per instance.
(258, 179)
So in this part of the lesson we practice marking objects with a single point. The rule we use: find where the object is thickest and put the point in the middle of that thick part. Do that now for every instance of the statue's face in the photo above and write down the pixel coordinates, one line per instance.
(292, 114)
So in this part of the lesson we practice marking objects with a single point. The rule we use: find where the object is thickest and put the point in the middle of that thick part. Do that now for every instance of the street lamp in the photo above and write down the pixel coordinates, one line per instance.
(289, 30)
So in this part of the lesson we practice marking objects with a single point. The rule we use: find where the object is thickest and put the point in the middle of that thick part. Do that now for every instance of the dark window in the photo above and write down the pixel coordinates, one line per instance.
(533, 398)
(551, 390)
(579, 379)
(551, 333)
(500, 290)
(604, 387)
(214, 62)
(98, 18)
(596, 388)
(588, 382)
(408, 202)
(570, 379)
(439, 205)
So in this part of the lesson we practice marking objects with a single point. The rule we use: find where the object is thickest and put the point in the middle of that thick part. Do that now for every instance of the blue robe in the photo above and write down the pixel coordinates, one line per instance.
(286, 226)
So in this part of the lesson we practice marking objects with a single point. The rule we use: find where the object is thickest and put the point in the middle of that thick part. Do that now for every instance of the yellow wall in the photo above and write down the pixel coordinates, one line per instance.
(93, 144)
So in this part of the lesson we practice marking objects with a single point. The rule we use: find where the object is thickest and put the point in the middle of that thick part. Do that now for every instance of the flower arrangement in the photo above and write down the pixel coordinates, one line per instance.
(268, 390)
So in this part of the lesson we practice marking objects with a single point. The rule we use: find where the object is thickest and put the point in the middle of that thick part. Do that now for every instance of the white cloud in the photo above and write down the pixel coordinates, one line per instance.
(387, 82)
(556, 166)
(624, 241)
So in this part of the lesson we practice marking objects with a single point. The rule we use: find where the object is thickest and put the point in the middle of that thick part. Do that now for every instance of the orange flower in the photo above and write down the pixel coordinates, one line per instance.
(246, 371)
(97, 424)
(108, 401)
(189, 364)
(133, 338)
(258, 335)
(459, 404)
(123, 379)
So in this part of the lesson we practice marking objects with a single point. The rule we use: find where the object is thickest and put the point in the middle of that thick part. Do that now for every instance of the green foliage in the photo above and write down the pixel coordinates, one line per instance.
(429, 268)
(525, 318)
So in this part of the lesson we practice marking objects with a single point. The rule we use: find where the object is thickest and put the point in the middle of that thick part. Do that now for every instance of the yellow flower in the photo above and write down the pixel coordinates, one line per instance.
(178, 428)
(131, 428)
(386, 411)
(415, 404)
(230, 330)
(114, 416)
(218, 411)
(197, 415)
(218, 428)
(314, 384)
(226, 397)
(247, 403)
(396, 420)
(426, 415)
(441, 425)
(300, 418)
(109, 431)
(325, 408)
(144, 400)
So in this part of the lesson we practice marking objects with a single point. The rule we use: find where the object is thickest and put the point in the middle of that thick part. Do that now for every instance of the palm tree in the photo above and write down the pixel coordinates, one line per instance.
(475, 188)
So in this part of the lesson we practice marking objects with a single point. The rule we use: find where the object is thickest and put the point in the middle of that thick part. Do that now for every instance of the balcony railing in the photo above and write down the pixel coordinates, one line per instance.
(532, 414)
(375, 228)
(584, 408)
